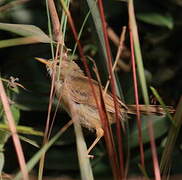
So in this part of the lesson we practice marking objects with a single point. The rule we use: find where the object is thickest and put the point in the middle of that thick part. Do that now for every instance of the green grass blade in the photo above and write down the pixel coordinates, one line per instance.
(81, 30)
(138, 54)
(34, 160)
(156, 94)
(23, 130)
(50, 29)
(98, 24)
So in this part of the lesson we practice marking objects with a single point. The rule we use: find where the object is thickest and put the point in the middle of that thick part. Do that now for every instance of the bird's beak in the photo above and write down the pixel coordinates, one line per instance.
(44, 61)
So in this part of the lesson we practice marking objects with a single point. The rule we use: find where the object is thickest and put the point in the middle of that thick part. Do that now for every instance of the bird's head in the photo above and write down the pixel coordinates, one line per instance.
(63, 67)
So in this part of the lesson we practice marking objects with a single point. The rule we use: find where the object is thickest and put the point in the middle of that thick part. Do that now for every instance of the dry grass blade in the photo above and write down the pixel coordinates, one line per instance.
(171, 139)
(19, 41)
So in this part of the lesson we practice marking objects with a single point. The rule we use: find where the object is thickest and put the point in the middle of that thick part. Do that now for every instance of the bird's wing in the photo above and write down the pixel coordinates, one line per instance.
(81, 92)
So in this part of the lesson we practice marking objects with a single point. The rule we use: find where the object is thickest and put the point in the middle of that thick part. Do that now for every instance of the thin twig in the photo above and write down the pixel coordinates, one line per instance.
(120, 49)
(118, 42)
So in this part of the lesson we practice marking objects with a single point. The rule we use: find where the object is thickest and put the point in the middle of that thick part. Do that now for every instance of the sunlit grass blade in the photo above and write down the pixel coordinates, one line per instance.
(85, 166)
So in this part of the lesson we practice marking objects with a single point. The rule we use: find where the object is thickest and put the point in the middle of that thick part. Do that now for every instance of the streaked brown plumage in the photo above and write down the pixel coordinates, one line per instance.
(72, 83)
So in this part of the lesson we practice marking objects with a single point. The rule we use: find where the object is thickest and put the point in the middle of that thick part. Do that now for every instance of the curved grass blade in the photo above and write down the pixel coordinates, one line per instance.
(26, 30)
(156, 94)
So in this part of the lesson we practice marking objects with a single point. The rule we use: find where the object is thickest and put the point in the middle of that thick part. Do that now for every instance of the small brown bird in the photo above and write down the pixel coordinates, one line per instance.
(70, 82)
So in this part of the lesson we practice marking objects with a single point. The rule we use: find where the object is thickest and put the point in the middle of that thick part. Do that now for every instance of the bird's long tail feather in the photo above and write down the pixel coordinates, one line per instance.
(154, 109)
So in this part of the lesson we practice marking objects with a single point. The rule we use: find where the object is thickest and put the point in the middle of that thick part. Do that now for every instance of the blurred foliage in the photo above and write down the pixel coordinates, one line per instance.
(159, 25)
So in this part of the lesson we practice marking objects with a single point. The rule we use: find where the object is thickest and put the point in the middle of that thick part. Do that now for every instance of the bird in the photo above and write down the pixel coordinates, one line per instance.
(73, 85)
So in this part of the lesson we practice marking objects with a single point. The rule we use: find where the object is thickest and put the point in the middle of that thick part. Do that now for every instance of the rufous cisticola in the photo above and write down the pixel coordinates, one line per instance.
(71, 82)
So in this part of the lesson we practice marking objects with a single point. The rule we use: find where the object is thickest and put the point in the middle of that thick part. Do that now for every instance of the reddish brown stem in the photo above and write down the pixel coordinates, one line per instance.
(154, 152)
(118, 173)
(12, 126)
(55, 22)
(142, 158)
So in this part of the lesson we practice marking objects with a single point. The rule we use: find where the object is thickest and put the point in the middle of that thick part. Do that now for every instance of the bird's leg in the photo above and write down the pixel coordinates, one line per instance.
(99, 134)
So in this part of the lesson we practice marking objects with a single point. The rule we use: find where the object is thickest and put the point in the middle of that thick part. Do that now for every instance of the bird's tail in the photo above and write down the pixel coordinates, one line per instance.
(154, 109)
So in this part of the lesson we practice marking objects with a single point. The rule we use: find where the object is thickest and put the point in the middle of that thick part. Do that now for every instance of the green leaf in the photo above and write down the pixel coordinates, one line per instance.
(16, 113)
(157, 19)
(26, 30)
(4, 135)
(160, 126)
